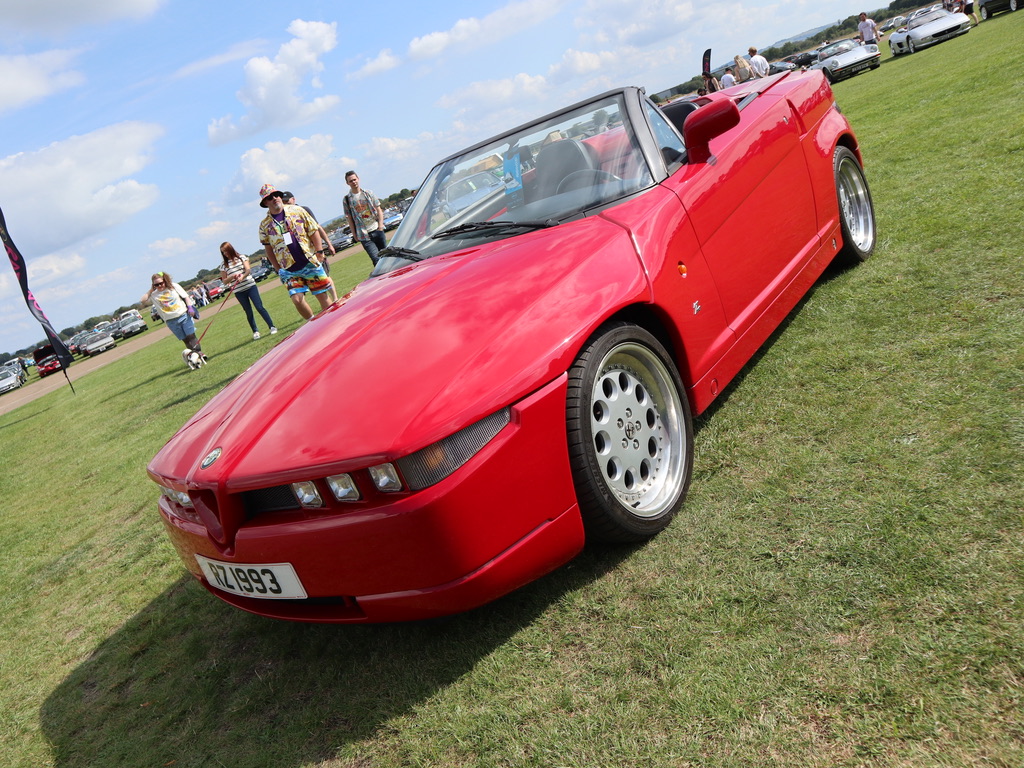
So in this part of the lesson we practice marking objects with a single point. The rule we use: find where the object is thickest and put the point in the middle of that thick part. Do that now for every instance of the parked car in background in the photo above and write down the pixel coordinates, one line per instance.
(340, 239)
(261, 271)
(17, 368)
(46, 360)
(778, 67)
(928, 28)
(632, 275)
(987, 7)
(462, 193)
(892, 23)
(131, 313)
(74, 341)
(215, 289)
(847, 58)
(392, 220)
(132, 325)
(802, 59)
(9, 380)
(96, 342)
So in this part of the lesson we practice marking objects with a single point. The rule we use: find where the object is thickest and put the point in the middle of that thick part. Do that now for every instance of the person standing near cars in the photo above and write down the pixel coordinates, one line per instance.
(743, 70)
(175, 308)
(365, 217)
(237, 276)
(328, 246)
(868, 30)
(291, 240)
(758, 63)
(728, 79)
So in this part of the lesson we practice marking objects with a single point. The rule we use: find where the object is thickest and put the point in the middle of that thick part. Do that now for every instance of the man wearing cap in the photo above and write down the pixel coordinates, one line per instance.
(291, 239)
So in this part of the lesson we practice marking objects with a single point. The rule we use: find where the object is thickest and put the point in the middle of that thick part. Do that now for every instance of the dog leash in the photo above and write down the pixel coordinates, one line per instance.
(222, 305)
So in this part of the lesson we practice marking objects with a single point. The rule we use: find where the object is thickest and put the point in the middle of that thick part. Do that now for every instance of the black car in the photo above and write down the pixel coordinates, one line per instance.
(987, 7)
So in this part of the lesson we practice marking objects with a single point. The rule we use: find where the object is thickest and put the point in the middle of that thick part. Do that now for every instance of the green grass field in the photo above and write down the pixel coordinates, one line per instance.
(843, 587)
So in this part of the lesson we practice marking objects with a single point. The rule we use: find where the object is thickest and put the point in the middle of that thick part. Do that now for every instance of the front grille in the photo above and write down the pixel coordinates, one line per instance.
(276, 499)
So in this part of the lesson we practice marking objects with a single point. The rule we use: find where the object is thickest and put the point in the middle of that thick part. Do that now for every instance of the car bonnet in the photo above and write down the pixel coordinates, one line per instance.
(411, 357)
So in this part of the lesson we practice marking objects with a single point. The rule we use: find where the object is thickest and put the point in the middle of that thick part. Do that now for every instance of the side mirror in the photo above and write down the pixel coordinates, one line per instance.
(704, 124)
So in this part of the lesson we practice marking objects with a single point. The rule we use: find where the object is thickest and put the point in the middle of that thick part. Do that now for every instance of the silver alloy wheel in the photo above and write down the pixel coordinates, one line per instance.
(855, 206)
(636, 419)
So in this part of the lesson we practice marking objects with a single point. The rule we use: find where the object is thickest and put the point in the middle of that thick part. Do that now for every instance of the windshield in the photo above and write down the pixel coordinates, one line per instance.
(926, 18)
(836, 48)
(538, 175)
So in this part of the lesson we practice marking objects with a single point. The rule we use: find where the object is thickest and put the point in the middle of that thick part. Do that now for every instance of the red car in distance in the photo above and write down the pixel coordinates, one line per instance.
(46, 360)
(519, 375)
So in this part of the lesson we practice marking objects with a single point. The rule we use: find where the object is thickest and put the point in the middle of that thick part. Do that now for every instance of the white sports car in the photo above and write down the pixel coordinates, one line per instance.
(928, 29)
(846, 58)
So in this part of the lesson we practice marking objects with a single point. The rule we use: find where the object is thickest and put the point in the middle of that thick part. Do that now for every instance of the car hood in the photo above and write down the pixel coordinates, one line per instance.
(410, 357)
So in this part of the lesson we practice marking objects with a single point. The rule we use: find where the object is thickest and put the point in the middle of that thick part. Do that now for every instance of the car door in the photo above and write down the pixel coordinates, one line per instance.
(752, 210)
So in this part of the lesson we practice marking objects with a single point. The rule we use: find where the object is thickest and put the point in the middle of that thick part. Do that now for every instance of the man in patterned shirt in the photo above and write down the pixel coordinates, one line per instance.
(291, 239)
(365, 217)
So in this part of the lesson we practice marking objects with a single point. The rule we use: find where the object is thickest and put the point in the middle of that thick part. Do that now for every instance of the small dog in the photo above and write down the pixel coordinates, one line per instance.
(192, 359)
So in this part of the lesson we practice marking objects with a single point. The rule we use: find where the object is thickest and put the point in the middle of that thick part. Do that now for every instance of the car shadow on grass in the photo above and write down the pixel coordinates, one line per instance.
(191, 681)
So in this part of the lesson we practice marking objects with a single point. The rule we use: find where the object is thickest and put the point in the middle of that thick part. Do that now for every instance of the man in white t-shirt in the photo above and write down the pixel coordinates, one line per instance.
(868, 30)
(758, 63)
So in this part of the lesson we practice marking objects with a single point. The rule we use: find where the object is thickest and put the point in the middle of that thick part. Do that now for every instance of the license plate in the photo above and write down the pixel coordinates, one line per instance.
(268, 581)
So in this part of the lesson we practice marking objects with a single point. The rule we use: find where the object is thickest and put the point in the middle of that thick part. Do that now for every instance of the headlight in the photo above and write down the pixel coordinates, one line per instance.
(343, 487)
(833, 64)
(178, 496)
(435, 462)
(385, 477)
(307, 494)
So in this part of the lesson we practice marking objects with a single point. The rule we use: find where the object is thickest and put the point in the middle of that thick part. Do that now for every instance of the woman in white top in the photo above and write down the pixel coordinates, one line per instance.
(176, 309)
(236, 276)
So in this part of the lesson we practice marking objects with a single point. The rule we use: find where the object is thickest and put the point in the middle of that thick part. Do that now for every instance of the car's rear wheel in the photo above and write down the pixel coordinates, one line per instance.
(856, 211)
(629, 432)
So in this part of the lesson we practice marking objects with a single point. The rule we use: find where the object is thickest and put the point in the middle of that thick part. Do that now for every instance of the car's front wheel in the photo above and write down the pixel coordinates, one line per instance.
(856, 211)
(629, 433)
(910, 45)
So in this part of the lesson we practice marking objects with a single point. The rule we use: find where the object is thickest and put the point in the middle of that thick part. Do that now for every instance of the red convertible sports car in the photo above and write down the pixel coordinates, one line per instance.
(518, 376)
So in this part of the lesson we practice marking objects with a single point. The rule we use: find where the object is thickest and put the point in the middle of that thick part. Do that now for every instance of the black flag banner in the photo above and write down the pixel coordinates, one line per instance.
(18, 265)
(706, 63)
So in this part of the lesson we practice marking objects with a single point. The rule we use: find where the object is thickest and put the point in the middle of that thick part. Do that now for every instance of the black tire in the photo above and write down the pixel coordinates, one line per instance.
(630, 434)
(856, 211)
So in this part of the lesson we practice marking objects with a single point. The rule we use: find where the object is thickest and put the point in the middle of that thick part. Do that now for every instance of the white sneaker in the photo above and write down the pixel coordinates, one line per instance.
(255, 335)
(273, 330)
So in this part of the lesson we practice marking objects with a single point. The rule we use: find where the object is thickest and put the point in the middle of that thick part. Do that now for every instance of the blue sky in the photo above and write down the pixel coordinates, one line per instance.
(136, 133)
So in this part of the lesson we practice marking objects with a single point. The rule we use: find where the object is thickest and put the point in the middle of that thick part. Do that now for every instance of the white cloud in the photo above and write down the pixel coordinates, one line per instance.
(628, 23)
(271, 91)
(482, 93)
(55, 15)
(384, 62)
(79, 187)
(36, 76)
(236, 52)
(474, 33)
(294, 163)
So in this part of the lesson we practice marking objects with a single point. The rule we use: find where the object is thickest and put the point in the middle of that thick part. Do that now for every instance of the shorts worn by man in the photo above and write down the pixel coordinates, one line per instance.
(291, 239)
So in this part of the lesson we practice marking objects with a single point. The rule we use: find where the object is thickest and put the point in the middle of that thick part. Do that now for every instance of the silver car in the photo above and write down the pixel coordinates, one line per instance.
(847, 58)
(9, 380)
(926, 29)
(96, 343)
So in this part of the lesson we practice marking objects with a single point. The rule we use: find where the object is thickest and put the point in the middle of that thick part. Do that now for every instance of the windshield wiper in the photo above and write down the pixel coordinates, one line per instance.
(403, 253)
(484, 226)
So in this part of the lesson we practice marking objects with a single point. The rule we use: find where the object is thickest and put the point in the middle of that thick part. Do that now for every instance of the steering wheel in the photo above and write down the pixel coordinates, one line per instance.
(588, 177)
